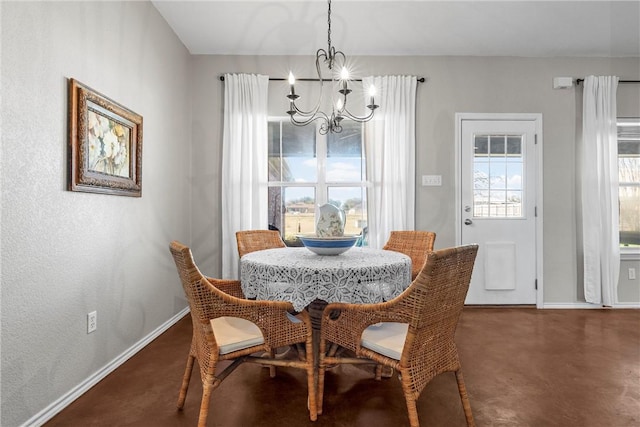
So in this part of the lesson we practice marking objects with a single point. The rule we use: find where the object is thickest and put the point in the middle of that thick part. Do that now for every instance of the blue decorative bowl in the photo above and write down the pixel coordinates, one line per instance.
(328, 245)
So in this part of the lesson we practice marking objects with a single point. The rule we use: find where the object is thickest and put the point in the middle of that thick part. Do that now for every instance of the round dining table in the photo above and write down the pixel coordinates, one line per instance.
(359, 275)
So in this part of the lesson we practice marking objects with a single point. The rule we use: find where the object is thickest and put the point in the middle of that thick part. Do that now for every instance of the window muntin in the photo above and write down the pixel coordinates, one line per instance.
(307, 169)
(498, 167)
(629, 183)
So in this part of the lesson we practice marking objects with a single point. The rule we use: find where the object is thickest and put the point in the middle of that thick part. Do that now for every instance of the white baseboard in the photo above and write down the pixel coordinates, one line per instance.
(569, 305)
(54, 408)
(627, 305)
(586, 305)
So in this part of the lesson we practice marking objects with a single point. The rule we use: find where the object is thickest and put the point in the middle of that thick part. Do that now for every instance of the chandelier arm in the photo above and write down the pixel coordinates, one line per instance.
(320, 53)
(346, 113)
(304, 113)
(321, 116)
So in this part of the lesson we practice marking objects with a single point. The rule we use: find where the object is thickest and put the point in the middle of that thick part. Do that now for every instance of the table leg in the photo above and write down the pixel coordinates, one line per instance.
(315, 309)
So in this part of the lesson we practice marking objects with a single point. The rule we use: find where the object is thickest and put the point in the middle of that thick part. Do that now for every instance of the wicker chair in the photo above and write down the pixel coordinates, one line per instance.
(415, 244)
(228, 327)
(413, 333)
(257, 240)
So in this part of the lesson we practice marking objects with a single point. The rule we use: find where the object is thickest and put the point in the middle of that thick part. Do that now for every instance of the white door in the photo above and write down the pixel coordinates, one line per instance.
(498, 195)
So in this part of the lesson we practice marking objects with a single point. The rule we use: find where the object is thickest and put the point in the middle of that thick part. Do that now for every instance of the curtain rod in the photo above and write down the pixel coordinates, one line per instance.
(578, 81)
(279, 79)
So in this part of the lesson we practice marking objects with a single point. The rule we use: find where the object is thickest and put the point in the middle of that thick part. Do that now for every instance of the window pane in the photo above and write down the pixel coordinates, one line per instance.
(275, 161)
(628, 169)
(514, 176)
(497, 201)
(629, 178)
(497, 179)
(300, 213)
(497, 145)
(481, 144)
(514, 145)
(514, 204)
(298, 141)
(347, 143)
(354, 203)
(629, 215)
(299, 169)
(345, 162)
(274, 139)
(480, 175)
(276, 209)
(292, 152)
(481, 204)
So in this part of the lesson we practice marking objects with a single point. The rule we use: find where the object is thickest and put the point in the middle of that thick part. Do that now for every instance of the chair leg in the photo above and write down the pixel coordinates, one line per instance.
(272, 369)
(312, 399)
(378, 372)
(412, 410)
(207, 387)
(185, 382)
(466, 405)
(321, 371)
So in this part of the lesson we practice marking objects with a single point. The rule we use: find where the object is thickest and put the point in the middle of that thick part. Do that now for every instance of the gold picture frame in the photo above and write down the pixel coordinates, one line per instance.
(105, 144)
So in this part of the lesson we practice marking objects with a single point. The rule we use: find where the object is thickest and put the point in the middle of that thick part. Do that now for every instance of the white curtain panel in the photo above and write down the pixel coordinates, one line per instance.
(390, 151)
(244, 162)
(599, 170)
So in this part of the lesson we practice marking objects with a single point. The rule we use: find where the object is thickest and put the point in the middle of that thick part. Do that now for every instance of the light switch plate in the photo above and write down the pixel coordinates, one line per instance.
(431, 180)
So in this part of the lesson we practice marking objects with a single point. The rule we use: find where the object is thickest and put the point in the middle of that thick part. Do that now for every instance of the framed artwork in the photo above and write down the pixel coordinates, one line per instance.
(105, 144)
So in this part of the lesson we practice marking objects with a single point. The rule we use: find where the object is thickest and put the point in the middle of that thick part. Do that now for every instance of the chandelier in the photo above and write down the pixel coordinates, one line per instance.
(329, 122)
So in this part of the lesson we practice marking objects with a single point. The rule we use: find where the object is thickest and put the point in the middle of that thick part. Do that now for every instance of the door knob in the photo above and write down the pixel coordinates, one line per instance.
(468, 222)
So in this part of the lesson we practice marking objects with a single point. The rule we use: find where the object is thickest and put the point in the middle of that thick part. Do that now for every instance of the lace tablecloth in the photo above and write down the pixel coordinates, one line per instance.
(360, 275)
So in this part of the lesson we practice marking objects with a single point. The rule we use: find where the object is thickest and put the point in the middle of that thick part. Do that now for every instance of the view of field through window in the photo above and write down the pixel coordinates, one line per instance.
(307, 169)
(629, 181)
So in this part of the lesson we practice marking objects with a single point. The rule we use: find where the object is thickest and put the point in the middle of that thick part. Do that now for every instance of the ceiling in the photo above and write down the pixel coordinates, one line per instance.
(416, 27)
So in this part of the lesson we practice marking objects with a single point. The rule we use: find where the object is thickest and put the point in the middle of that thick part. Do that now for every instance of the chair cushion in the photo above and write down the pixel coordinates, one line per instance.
(386, 338)
(233, 333)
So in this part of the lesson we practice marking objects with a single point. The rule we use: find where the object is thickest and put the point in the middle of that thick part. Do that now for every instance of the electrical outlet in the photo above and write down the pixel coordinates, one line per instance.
(92, 322)
(632, 273)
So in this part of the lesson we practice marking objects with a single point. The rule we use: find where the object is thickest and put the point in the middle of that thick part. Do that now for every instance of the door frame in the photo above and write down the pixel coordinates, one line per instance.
(537, 119)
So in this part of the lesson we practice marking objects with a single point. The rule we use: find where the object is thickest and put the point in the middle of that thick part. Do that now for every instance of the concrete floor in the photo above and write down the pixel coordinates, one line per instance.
(522, 367)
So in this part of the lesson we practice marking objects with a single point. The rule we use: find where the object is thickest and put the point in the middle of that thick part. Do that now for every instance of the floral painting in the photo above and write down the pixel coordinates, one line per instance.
(105, 144)
(108, 143)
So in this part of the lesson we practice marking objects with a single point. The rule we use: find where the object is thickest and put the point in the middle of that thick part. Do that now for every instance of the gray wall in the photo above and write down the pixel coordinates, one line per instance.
(65, 253)
(454, 84)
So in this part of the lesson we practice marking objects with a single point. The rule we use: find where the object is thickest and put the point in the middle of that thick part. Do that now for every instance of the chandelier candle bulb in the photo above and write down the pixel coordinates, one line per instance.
(292, 92)
(372, 102)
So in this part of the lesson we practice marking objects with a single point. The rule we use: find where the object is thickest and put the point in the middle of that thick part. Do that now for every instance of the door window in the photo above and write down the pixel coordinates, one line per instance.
(497, 176)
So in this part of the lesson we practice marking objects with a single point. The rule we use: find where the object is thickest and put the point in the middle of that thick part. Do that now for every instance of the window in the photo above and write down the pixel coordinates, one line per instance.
(307, 169)
(498, 164)
(629, 178)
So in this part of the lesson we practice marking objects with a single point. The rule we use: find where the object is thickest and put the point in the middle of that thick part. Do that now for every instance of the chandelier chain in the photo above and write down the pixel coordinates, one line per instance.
(329, 25)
